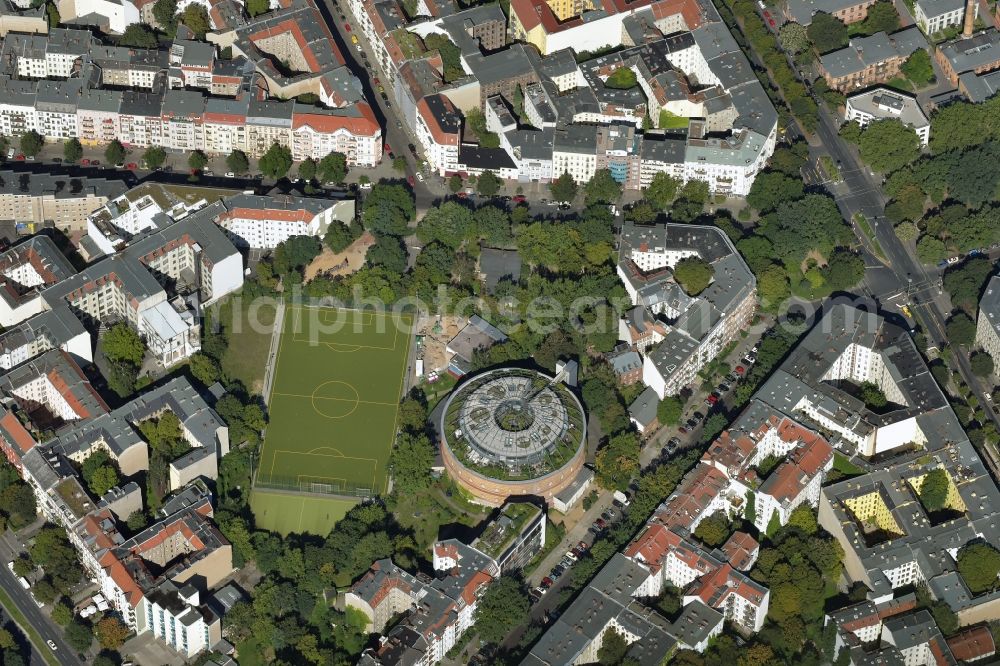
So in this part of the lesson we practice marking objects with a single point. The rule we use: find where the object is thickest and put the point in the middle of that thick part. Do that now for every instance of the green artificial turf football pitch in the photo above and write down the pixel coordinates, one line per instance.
(337, 384)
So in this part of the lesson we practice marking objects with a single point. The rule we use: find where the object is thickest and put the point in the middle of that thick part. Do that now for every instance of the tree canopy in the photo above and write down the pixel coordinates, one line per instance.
(121, 343)
(154, 157)
(31, 143)
(669, 410)
(918, 68)
(276, 161)
(794, 38)
(333, 168)
(882, 17)
(388, 209)
(115, 152)
(622, 78)
(503, 606)
(237, 162)
(694, 274)
(139, 35)
(979, 564)
(714, 530)
(934, 490)
(827, 32)
(617, 461)
(602, 188)
(888, 145)
(563, 188)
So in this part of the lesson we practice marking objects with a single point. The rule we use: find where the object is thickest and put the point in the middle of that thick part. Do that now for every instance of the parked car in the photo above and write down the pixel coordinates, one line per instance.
(691, 423)
(583, 546)
(546, 582)
(132, 166)
(570, 555)
(698, 416)
(57, 160)
(347, 27)
(740, 370)
(409, 179)
(724, 387)
(555, 574)
(420, 177)
(712, 399)
(520, 198)
(682, 430)
(731, 377)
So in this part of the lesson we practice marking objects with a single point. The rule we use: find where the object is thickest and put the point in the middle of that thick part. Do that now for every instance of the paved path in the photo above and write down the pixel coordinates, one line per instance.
(272, 357)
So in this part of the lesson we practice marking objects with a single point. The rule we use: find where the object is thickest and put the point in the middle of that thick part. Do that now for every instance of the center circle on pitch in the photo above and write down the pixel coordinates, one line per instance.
(334, 399)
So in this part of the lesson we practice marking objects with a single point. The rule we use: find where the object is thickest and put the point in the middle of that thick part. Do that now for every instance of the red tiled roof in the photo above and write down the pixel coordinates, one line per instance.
(22, 438)
(741, 550)
(363, 125)
(224, 118)
(531, 13)
(268, 214)
(971, 644)
(697, 491)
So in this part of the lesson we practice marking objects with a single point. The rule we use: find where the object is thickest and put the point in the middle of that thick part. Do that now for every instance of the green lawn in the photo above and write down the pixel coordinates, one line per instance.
(843, 465)
(337, 384)
(285, 513)
(670, 121)
(249, 343)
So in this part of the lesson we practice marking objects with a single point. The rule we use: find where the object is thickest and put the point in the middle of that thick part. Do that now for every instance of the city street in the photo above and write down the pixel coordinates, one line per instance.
(902, 276)
(9, 546)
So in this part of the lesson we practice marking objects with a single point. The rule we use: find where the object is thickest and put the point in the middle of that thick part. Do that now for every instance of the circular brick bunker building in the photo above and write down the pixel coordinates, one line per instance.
(513, 432)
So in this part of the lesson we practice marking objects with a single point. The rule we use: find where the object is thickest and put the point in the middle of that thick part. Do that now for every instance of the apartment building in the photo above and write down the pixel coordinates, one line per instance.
(153, 579)
(868, 61)
(248, 220)
(888, 104)
(194, 256)
(815, 384)
(696, 327)
(29, 268)
(439, 131)
(975, 54)
(13, 19)
(72, 89)
(714, 589)
(51, 329)
(848, 11)
(935, 15)
(758, 433)
(437, 611)
(63, 201)
(535, 22)
(988, 321)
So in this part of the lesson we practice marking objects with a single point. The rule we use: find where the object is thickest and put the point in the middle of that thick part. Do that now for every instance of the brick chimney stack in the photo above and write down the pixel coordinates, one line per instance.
(970, 18)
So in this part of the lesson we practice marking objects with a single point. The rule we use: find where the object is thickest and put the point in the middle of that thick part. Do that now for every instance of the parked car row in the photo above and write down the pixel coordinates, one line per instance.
(569, 559)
